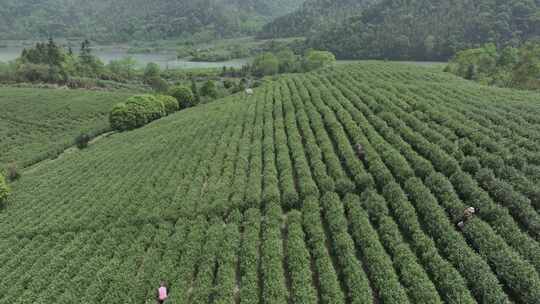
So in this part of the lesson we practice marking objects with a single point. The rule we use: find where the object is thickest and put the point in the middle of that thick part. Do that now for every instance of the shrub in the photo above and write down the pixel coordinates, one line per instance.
(184, 96)
(265, 64)
(170, 103)
(471, 165)
(118, 117)
(136, 112)
(151, 71)
(4, 190)
(318, 59)
(209, 89)
(227, 83)
(12, 172)
(158, 84)
(82, 140)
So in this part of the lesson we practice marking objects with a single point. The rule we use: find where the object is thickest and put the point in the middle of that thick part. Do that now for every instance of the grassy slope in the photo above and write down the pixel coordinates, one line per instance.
(109, 222)
(36, 124)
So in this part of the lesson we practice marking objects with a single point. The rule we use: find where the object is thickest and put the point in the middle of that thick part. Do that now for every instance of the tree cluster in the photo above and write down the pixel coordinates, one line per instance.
(286, 61)
(140, 110)
(508, 67)
(128, 20)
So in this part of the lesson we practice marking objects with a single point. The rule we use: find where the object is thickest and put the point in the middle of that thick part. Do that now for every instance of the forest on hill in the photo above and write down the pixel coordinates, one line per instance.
(411, 30)
(124, 20)
(312, 16)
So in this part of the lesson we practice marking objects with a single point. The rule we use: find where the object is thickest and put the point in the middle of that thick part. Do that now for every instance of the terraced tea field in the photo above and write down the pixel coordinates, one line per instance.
(40, 123)
(262, 199)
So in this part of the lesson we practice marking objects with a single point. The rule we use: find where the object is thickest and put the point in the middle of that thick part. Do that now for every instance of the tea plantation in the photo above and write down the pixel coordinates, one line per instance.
(40, 123)
(263, 199)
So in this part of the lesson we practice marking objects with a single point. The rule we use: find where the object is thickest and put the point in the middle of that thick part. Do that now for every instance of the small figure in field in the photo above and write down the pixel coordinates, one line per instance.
(249, 91)
(162, 293)
(360, 152)
(467, 215)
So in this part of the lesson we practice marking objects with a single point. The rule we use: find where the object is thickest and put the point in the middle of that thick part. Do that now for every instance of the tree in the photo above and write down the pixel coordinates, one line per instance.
(209, 89)
(471, 72)
(527, 71)
(184, 96)
(318, 59)
(4, 190)
(287, 61)
(265, 64)
(509, 67)
(509, 56)
(88, 65)
(123, 68)
(227, 83)
(158, 84)
(55, 56)
(151, 70)
(195, 91)
(86, 53)
(82, 140)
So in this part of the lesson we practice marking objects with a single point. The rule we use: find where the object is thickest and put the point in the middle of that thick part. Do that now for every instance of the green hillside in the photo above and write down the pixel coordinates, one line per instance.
(312, 17)
(430, 30)
(408, 30)
(128, 20)
(38, 124)
(262, 199)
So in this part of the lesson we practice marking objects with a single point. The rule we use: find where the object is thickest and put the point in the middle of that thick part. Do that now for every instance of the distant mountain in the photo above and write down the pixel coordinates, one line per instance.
(429, 29)
(313, 16)
(123, 20)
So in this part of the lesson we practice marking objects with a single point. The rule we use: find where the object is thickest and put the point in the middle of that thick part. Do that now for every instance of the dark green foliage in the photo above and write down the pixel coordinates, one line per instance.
(284, 60)
(44, 53)
(49, 62)
(415, 30)
(317, 59)
(82, 140)
(170, 103)
(471, 165)
(184, 96)
(136, 112)
(13, 173)
(158, 84)
(119, 118)
(312, 16)
(508, 67)
(209, 89)
(44, 62)
(151, 71)
(265, 64)
(4, 190)
(228, 84)
(196, 93)
(121, 21)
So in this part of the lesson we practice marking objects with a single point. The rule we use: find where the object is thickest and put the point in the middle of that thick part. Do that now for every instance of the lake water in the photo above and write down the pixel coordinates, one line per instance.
(164, 60)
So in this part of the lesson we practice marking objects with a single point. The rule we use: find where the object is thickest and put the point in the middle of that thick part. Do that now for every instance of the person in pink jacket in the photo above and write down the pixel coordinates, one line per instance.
(162, 293)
